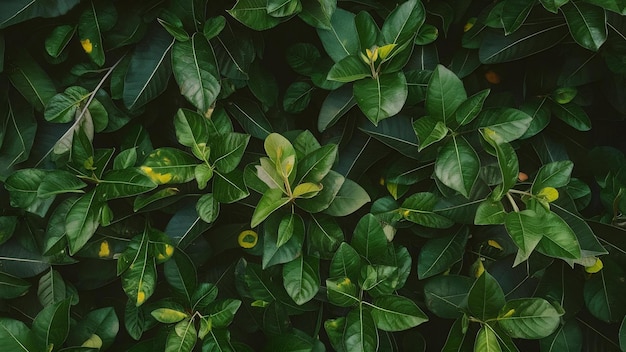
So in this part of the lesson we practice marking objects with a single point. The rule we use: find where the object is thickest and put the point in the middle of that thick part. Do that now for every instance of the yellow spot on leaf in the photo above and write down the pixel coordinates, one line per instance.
(104, 251)
(141, 297)
(346, 281)
(248, 239)
(406, 213)
(550, 194)
(495, 244)
(169, 250)
(509, 313)
(155, 176)
(597, 266)
(87, 46)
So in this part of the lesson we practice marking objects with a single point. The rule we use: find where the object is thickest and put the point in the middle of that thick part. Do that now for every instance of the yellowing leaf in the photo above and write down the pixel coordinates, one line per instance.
(104, 251)
(508, 314)
(385, 50)
(87, 46)
(307, 190)
(141, 297)
(155, 176)
(480, 268)
(248, 239)
(372, 54)
(596, 267)
(495, 244)
(94, 341)
(168, 315)
(550, 194)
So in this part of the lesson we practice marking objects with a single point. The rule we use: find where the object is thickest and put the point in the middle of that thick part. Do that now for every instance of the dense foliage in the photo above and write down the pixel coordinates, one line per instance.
(311, 175)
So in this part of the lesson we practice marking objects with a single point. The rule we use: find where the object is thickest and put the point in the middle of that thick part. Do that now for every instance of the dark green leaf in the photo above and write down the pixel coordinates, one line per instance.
(604, 292)
(227, 150)
(567, 338)
(350, 68)
(470, 108)
(52, 324)
(82, 221)
(251, 118)
(15, 335)
(382, 97)
(445, 94)
(90, 35)
(369, 239)
(253, 14)
(485, 298)
(346, 263)
(182, 338)
(514, 13)
(297, 97)
(31, 80)
(587, 24)
(529, 318)
(102, 322)
(429, 131)
(396, 313)
(457, 165)
(439, 254)
(301, 278)
(572, 114)
(180, 273)
(318, 13)
(418, 208)
(509, 124)
(445, 295)
(12, 287)
(348, 199)
(403, 22)
(341, 39)
(59, 39)
(18, 11)
(124, 183)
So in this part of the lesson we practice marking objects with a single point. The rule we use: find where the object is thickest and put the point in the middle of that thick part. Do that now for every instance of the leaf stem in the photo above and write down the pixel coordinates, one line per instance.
(512, 201)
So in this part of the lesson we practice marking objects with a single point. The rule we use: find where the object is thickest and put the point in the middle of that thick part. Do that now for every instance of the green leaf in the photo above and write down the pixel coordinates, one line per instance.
(213, 26)
(301, 278)
(102, 322)
(369, 239)
(253, 14)
(526, 228)
(20, 11)
(439, 254)
(251, 118)
(360, 333)
(507, 162)
(403, 22)
(470, 108)
(15, 335)
(349, 69)
(169, 165)
(490, 212)
(509, 124)
(317, 164)
(368, 30)
(444, 95)
(572, 114)
(346, 263)
(195, 73)
(604, 293)
(457, 165)
(12, 287)
(82, 220)
(567, 337)
(124, 183)
(191, 129)
(587, 24)
(396, 313)
(173, 25)
(22, 186)
(555, 174)
(180, 274)
(341, 39)
(227, 150)
(485, 298)
(514, 13)
(529, 318)
(52, 324)
(271, 200)
(283, 8)
(272, 254)
(486, 340)
(429, 131)
(182, 338)
(526, 41)
(125, 159)
(558, 238)
(396, 132)
(457, 337)
(230, 187)
(139, 279)
(31, 80)
(348, 199)
(324, 236)
(297, 97)
(288, 223)
(381, 97)
(52, 288)
(149, 69)
(19, 128)
(90, 35)
(302, 57)
(337, 103)
(208, 208)
(318, 13)
(418, 208)
(445, 295)
(58, 40)
(553, 5)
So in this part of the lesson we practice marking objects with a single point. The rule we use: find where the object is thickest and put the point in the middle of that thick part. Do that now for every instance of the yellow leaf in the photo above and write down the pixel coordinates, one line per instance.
(495, 244)
(392, 188)
(248, 239)
(550, 194)
(94, 341)
(597, 266)
(307, 189)
(480, 268)
(372, 54)
(104, 251)
(385, 50)
(87, 46)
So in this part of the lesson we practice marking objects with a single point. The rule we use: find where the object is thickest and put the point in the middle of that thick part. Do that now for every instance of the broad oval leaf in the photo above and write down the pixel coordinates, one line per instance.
(487, 340)
(396, 313)
(485, 298)
(52, 324)
(342, 38)
(369, 239)
(604, 293)
(439, 254)
(169, 165)
(182, 338)
(587, 24)
(15, 335)
(457, 165)
(253, 14)
(360, 334)
(381, 97)
(444, 95)
(350, 68)
(301, 278)
(82, 220)
(403, 22)
(529, 318)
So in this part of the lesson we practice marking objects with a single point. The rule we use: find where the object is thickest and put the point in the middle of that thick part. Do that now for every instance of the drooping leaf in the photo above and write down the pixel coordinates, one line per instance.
(587, 24)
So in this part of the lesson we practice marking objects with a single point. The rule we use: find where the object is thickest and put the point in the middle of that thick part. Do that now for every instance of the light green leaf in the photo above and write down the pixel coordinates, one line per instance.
(486, 340)
(396, 313)
(168, 315)
(360, 334)
(526, 229)
(182, 338)
(429, 131)
(287, 226)
(253, 14)
(555, 174)
(301, 278)
(382, 97)
(490, 212)
(15, 335)
(457, 165)
(317, 164)
(349, 69)
(587, 24)
(444, 95)
(82, 221)
(348, 199)
(439, 254)
(271, 200)
(529, 318)
(149, 69)
(507, 162)
(195, 73)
